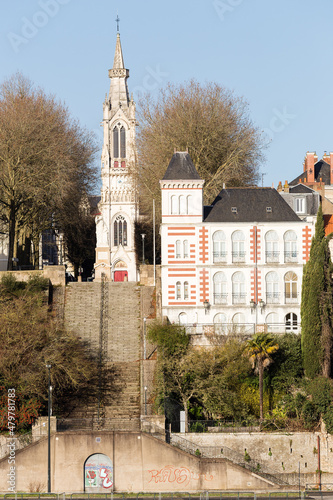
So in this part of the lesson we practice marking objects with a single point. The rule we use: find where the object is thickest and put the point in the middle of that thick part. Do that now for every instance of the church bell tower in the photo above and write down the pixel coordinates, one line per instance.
(117, 209)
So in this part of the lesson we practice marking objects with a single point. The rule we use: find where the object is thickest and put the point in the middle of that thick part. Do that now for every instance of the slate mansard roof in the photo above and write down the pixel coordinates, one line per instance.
(321, 171)
(181, 168)
(249, 205)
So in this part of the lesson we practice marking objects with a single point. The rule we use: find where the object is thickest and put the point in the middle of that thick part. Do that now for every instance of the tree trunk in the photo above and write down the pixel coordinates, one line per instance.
(186, 414)
(327, 347)
(261, 388)
(11, 237)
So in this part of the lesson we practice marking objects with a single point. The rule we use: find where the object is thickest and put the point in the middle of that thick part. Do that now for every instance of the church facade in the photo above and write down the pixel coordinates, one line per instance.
(235, 265)
(117, 209)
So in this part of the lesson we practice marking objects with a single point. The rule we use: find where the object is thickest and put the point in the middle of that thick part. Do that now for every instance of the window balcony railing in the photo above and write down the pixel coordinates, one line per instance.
(239, 298)
(238, 256)
(220, 298)
(219, 256)
(247, 329)
(291, 298)
(272, 256)
(290, 256)
(272, 297)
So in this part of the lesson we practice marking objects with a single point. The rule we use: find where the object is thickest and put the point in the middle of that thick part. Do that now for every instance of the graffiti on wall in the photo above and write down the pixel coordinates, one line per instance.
(98, 472)
(179, 475)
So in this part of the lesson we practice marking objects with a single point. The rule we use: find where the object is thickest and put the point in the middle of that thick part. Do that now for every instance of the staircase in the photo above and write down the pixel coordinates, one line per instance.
(107, 316)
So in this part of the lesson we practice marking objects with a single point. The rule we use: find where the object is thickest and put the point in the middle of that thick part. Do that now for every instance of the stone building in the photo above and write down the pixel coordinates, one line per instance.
(117, 210)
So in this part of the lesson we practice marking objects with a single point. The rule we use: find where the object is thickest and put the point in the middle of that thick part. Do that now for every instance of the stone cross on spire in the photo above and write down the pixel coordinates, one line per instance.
(117, 21)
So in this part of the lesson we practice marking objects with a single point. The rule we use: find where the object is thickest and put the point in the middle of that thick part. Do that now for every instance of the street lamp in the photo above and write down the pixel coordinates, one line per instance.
(49, 410)
(145, 388)
(206, 306)
(143, 247)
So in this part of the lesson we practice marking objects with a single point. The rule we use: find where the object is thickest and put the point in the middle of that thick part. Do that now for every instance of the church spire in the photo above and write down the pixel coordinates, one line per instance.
(118, 62)
(118, 95)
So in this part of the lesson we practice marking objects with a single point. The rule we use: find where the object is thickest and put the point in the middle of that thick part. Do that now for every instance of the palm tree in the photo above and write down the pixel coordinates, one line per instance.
(259, 350)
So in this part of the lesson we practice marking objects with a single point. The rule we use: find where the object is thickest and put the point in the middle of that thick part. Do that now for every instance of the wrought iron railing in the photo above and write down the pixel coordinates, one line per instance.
(220, 298)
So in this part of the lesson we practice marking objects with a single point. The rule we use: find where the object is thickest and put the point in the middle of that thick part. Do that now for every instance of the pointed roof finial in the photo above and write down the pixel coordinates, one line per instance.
(117, 21)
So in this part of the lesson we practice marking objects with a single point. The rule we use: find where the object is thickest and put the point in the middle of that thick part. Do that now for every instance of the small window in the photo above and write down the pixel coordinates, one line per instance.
(234, 210)
(268, 209)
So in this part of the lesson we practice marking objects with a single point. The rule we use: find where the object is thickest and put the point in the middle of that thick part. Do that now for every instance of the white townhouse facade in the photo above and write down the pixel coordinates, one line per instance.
(236, 264)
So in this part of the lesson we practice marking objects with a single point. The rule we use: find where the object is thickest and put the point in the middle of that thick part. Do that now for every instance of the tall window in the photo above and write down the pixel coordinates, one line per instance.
(290, 246)
(238, 288)
(178, 246)
(219, 246)
(182, 205)
(120, 231)
(119, 141)
(272, 322)
(291, 322)
(186, 289)
(116, 142)
(178, 291)
(272, 288)
(272, 246)
(182, 318)
(174, 204)
(220, 288)
(238, 323)
(238, 246)
(220, 324)
(300, 205)
(185, 248)
(290, 287)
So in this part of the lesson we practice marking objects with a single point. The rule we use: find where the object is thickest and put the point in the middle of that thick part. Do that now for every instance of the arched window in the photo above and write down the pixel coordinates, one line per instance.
(120, 231)
(220, 324)
(272, 288)
(185, 248)
(219, 246)
(182, 318)
(238, 323)
(290, 246)
(119, 141)
(174, 204)
(272, 322)
(178, 250)
(290, 287)
(178, 291)
(123, 142)
(238, 288)
(291, 322)
(189, 204)
(186, 290)
(115, 142)
(238, 246)
(272, 246)
(182, 205)
(220, 288)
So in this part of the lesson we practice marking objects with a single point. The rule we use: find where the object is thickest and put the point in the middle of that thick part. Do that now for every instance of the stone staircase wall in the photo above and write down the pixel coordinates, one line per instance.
(108, 314)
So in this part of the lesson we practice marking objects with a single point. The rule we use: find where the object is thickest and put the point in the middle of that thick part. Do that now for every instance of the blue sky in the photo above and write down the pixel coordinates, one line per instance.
(277, 54)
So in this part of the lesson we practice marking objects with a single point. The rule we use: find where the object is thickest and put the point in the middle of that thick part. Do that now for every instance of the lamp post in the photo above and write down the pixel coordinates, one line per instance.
(49, 410)
(145, 399)
(143, 247)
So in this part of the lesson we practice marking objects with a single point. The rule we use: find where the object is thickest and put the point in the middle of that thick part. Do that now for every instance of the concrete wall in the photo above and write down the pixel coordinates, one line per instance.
(56, 274)
(140, 463)
(282, 452)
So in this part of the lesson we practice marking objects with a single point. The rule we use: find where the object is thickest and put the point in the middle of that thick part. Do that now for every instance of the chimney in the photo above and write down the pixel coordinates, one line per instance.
(286, 187)
(279, 188)
(309, 166)
(331, 165)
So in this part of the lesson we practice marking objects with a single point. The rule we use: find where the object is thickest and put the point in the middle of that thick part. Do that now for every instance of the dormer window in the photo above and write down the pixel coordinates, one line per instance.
(234, 210)
(269, 210)
(300, 205)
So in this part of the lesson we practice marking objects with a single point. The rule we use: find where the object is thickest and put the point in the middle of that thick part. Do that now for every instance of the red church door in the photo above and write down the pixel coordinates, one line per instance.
(120, 276)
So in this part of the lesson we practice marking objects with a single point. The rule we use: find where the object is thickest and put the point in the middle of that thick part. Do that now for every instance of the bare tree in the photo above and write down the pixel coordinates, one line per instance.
(45, 158)
(208, 120)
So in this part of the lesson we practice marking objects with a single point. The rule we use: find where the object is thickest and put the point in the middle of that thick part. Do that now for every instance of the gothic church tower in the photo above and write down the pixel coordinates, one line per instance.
(115, 252)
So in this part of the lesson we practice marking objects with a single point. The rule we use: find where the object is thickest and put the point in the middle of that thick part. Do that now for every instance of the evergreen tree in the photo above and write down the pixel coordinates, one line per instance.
(316, 307)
